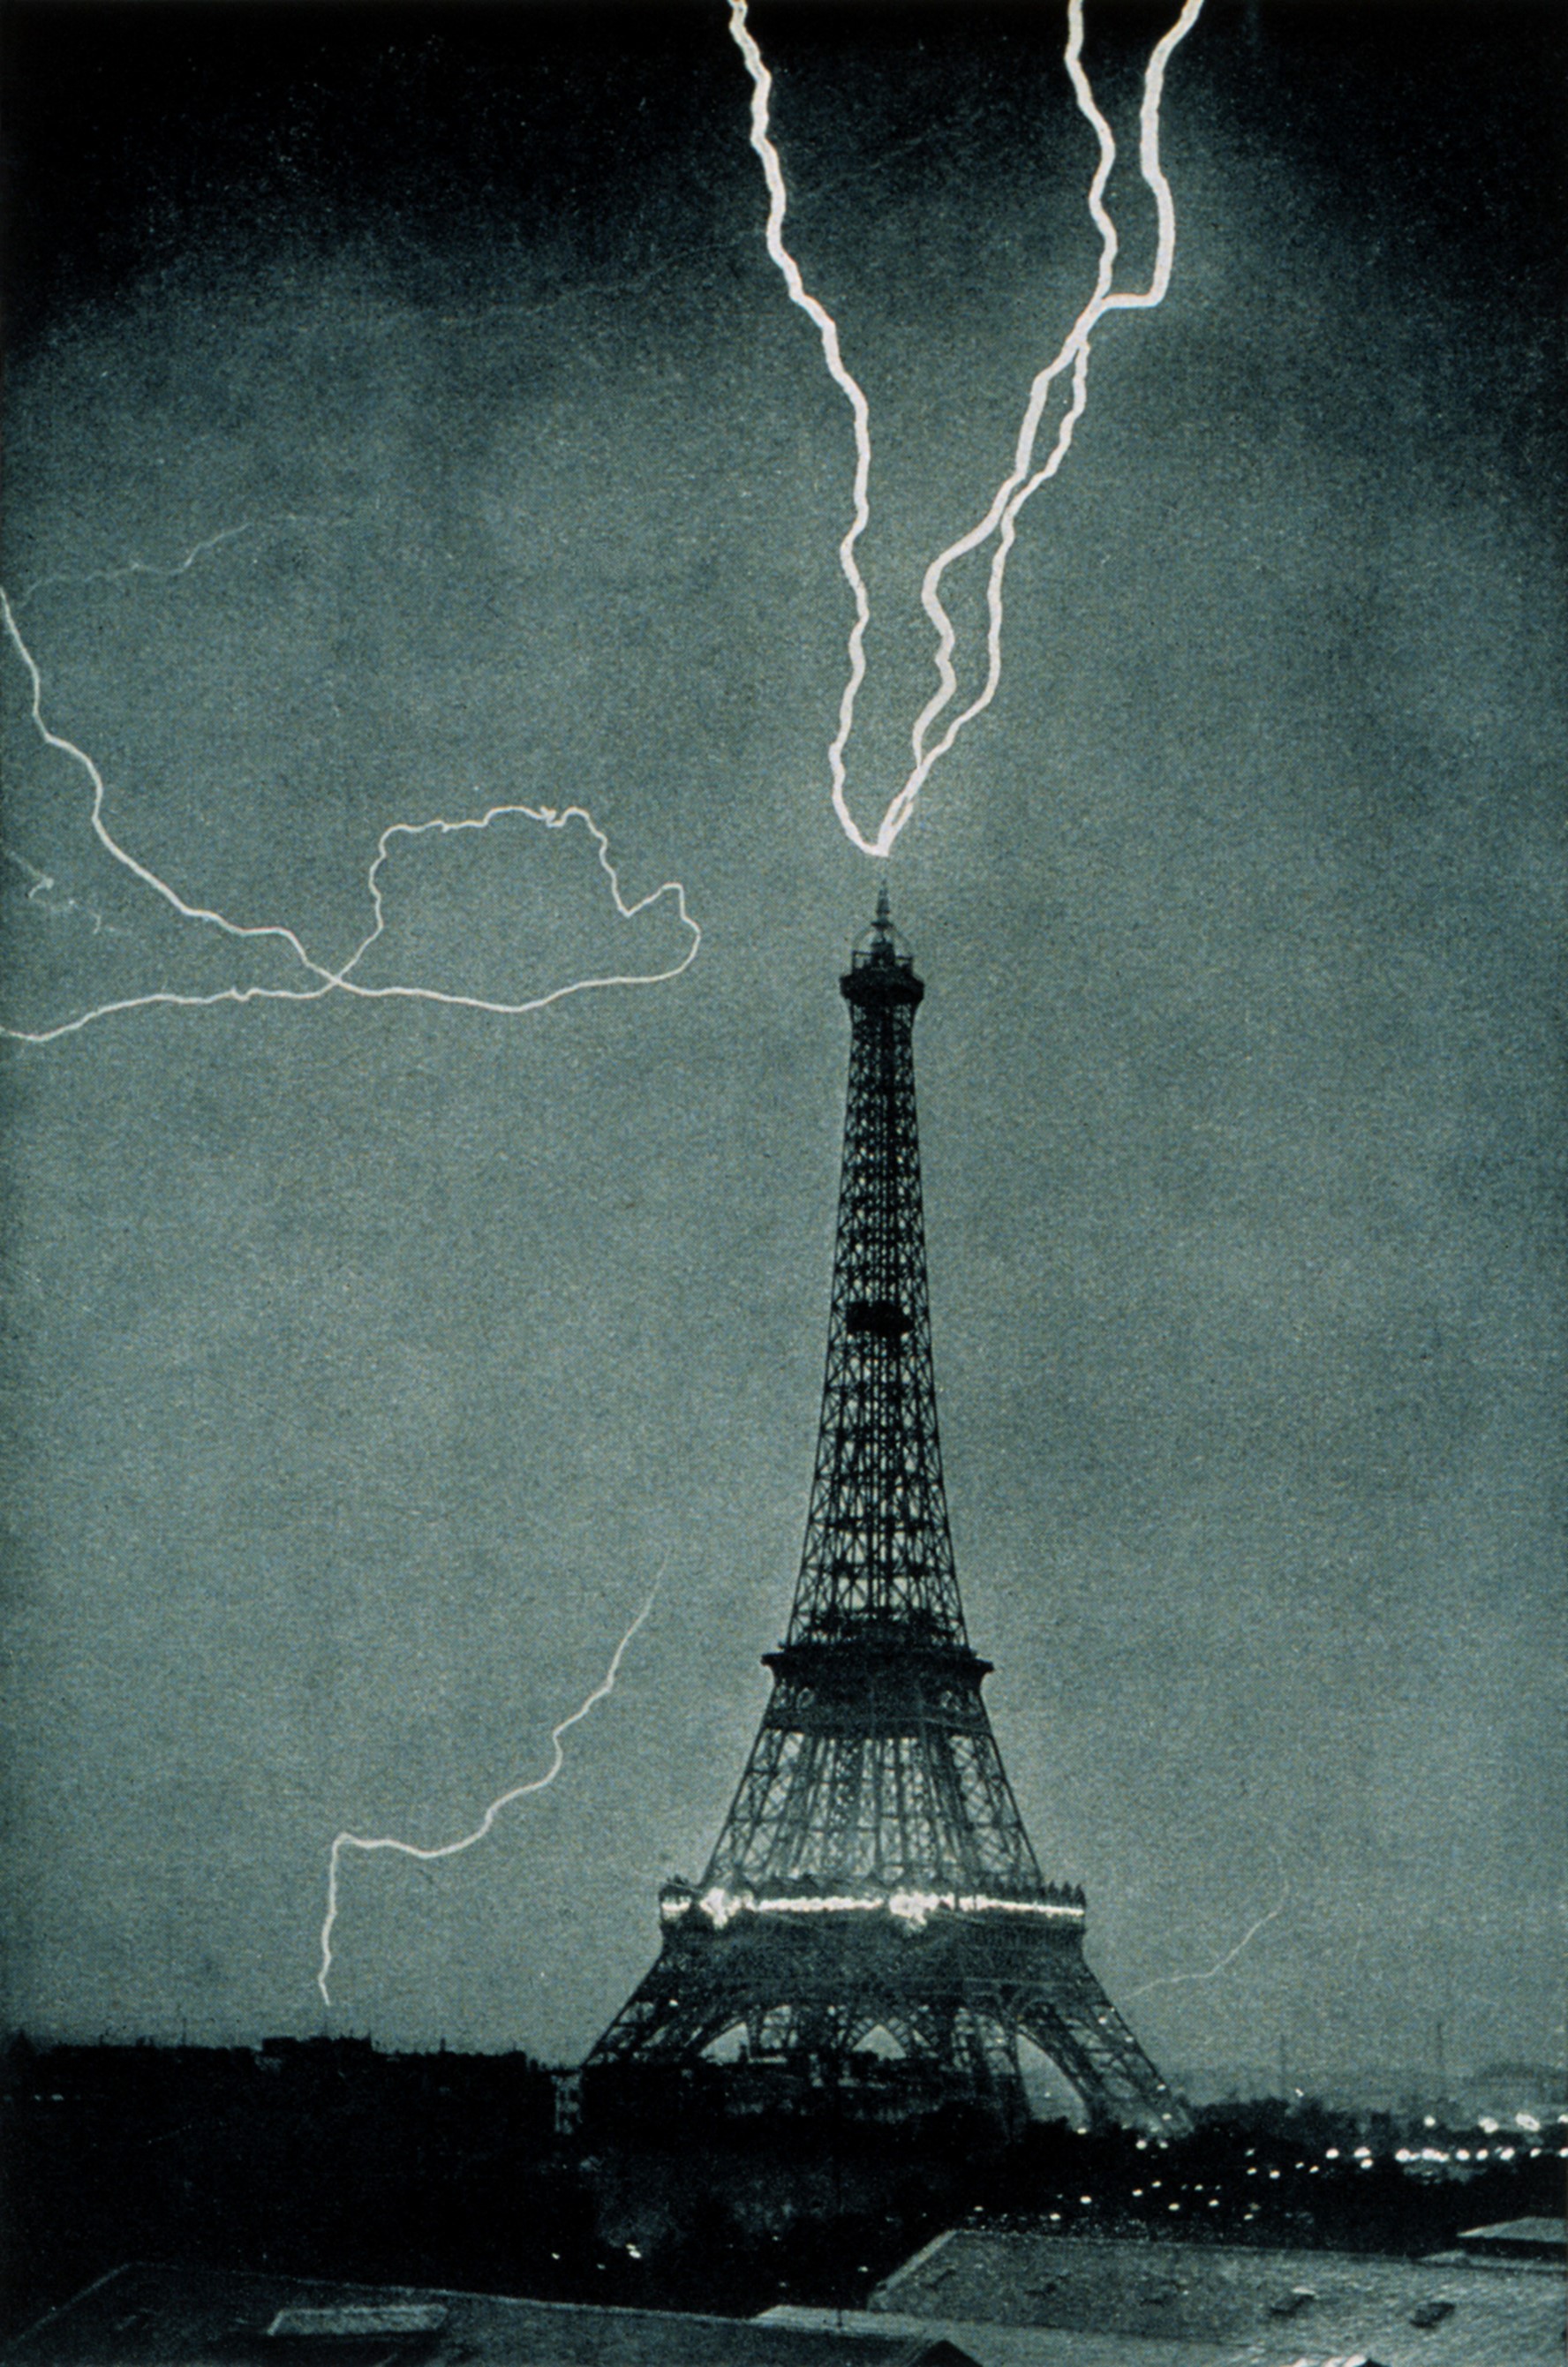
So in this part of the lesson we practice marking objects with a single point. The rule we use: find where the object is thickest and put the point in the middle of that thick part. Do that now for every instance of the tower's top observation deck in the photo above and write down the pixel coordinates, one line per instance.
(881, 972)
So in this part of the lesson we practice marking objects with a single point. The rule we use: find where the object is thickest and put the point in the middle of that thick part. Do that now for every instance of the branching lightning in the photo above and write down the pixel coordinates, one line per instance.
(1024, 478)
(1222, 1963)
(601, 1692)
(328, 980)
(931, 739)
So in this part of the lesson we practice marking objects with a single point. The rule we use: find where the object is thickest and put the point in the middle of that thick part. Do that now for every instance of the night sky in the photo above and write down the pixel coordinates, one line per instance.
(367, 1359)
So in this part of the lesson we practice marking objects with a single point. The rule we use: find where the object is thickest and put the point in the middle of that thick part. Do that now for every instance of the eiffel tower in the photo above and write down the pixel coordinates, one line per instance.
(873, 1881)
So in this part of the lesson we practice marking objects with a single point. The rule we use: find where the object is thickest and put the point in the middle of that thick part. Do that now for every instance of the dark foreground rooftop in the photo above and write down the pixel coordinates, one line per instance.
(1242, 2307)
(1518, 2239)
(140, 2317)
(1019, 2346)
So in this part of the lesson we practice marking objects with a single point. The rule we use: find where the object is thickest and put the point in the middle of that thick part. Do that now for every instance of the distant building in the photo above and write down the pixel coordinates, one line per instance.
(206, 2318)
(1497, 2091)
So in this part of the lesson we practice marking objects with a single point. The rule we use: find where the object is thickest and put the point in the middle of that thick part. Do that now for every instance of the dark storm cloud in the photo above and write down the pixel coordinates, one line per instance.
(369, 1361)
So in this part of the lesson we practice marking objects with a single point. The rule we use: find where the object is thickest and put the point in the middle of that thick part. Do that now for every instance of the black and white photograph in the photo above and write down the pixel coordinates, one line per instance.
(781, 920)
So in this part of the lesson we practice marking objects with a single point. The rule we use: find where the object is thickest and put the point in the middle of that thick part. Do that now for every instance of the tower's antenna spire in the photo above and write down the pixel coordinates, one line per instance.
(884, 915)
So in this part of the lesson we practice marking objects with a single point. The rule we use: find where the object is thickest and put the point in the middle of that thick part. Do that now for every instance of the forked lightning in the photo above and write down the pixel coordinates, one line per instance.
(1024, 478)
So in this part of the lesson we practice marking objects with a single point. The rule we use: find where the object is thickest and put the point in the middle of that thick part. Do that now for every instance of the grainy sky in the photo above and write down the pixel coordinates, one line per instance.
(368, 1360)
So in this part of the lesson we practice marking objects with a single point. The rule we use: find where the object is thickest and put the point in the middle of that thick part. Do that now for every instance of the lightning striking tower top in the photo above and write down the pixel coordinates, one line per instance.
(1070, 368)
(873, 1884)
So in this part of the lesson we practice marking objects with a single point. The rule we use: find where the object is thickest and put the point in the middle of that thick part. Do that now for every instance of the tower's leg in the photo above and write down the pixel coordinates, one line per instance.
(1084, 2036)
(668, 2018)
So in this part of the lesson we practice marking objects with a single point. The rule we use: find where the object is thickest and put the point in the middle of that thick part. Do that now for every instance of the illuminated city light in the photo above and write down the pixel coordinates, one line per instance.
(1000, 521)
(914, 1908)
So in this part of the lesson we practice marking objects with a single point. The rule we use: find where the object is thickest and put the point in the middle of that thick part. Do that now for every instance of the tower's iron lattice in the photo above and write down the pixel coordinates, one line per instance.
(873, 1881)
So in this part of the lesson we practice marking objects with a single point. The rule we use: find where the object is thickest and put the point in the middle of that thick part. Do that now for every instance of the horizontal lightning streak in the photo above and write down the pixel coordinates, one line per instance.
(329, 981)
(601, 1692)
(1024, 478)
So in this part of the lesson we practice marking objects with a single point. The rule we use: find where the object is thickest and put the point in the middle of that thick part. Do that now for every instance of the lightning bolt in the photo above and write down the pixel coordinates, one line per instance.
(42, 888)
(328, 980)
(134, 567)
(1024, 480)
(601, 1692)
(777, 204)
(1174, 1980)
